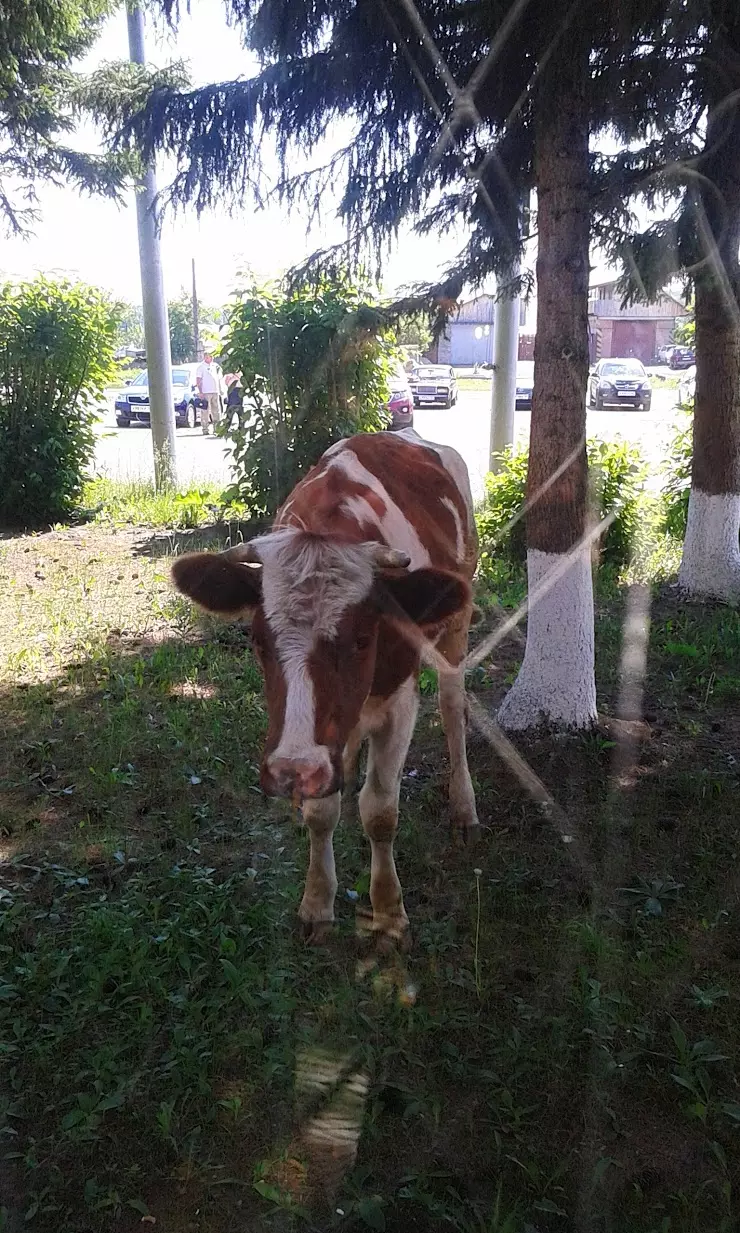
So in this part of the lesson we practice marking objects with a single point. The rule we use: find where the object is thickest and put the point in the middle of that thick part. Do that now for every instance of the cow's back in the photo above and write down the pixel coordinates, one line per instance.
(395, 488)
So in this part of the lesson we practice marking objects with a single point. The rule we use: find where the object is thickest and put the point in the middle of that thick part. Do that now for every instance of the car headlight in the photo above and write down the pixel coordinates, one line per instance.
(605, 385)
(644, 385)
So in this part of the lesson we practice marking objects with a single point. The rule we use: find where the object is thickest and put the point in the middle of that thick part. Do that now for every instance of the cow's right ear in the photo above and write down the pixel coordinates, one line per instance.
(217, 584)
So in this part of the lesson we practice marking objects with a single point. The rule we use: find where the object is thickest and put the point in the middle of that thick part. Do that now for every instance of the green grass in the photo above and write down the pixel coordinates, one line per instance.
(474, 383)
(569, 1057)
(135, 502)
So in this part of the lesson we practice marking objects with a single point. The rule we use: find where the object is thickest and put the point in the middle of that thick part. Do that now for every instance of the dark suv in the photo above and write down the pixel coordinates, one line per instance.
(681, 357)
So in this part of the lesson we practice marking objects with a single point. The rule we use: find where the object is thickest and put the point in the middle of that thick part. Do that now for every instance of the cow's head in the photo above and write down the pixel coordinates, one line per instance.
(316, 606)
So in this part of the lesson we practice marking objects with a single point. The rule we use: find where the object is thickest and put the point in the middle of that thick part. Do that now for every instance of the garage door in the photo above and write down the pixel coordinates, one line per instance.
(634, 339)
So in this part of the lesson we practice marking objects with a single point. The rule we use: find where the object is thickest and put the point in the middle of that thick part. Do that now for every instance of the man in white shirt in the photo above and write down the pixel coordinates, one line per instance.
(209, 380)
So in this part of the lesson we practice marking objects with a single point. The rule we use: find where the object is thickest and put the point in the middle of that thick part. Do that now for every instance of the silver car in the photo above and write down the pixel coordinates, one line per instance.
(434, 385)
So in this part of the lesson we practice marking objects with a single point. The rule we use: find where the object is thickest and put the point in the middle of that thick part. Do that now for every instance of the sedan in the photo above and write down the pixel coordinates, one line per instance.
(622, 383)
(434, 384)
(400, 404)
(132, 404)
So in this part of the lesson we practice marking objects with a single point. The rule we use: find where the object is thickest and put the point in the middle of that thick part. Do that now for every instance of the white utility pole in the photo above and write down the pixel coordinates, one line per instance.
(196, 323)
(503, 393)
(156, 322)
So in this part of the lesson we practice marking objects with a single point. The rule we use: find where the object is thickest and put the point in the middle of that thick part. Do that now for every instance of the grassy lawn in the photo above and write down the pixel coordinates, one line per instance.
(558, 1051)
(474, 383)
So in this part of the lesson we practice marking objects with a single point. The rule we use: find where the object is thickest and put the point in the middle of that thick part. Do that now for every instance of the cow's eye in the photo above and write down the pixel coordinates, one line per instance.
(362, 642)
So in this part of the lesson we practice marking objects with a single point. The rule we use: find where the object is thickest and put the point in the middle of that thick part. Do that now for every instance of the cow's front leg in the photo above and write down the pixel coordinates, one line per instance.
(453, 708)
(316, 912)
(389, 745)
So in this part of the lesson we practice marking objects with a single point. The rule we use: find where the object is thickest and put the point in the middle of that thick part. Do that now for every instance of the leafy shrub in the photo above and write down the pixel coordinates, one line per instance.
(501, 529)
(677, 472)
(56, 354)
(315, 363)
(615, 481)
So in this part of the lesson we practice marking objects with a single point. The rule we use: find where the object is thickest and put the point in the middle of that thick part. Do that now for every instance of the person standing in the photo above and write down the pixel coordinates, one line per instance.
(209, 379)
(234, 396)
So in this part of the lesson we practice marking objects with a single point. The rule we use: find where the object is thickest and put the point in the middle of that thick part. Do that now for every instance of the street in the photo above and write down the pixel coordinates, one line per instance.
(126, 453)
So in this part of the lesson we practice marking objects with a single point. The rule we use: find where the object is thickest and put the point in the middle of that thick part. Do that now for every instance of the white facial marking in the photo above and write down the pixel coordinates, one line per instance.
(394, 526)
(308, 583)
(297, 741)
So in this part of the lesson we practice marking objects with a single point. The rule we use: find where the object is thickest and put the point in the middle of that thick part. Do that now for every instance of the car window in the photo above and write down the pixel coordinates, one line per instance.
(624, 369)
(141, 379)
(180, 376)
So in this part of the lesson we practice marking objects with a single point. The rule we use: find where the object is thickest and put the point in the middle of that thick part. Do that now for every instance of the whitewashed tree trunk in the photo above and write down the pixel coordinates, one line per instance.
(555, 683)
(710, 565)
(711, 557)
(556, 680)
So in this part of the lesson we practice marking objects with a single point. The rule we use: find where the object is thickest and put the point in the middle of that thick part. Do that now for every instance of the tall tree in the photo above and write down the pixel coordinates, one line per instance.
(557, 676)
(459, 111)
(40, 40)
(711, 555)
(700, 242)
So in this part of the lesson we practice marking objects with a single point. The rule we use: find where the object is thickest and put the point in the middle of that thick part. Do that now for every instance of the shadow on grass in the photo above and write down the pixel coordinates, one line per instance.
(198, 539)
(171, 1049)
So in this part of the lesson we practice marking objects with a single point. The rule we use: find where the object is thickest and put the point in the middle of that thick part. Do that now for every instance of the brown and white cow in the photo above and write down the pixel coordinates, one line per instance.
(369, 559)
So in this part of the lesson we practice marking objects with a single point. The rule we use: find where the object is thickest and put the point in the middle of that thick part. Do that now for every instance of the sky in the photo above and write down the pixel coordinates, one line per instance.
(96, 241)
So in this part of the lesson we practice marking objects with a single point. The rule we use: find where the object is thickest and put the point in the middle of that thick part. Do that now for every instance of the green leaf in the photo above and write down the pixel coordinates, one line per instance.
(371, 1212)
(547, 1205)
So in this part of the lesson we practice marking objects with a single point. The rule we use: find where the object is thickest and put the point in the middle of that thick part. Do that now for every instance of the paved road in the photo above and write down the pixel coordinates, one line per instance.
(126, 453)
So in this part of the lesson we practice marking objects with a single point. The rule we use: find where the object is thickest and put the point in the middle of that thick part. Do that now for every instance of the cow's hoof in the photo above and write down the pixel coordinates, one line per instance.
(314, 932)
(465, 834)
(392, 941)
(383, 933)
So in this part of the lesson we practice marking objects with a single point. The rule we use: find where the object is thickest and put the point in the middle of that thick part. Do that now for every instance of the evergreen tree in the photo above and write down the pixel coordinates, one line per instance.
(39, 42)
(701, 242)
(459, 111)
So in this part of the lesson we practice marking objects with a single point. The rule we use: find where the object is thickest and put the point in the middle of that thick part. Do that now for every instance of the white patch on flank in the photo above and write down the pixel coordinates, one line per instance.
(455, 466)
(453, 463)
(556, 680)
(393, 525)
(459, 532)
(711, 559)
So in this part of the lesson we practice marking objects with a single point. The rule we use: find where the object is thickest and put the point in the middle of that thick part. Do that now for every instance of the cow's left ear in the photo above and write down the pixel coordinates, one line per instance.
(424, 596)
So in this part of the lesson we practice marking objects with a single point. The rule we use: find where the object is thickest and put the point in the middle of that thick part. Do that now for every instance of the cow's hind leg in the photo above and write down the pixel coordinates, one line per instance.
(453, 645)
(378, 802)
(316, 912)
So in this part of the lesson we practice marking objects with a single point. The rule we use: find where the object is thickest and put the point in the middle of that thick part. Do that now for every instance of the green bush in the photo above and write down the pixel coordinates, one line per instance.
(615, 472)
(677, 472)
(56, 355)
(315, 363)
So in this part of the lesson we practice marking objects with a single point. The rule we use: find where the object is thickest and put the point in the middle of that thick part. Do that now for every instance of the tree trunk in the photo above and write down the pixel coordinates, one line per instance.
(711, 559)
(556, 680)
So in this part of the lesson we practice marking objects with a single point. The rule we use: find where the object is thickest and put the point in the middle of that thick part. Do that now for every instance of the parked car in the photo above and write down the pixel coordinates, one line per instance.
(433, 384)
(687, 387)
(400, 404)
(681, 357)
(132, 404)
(663, 354)
(524, 384)
(622, 383)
